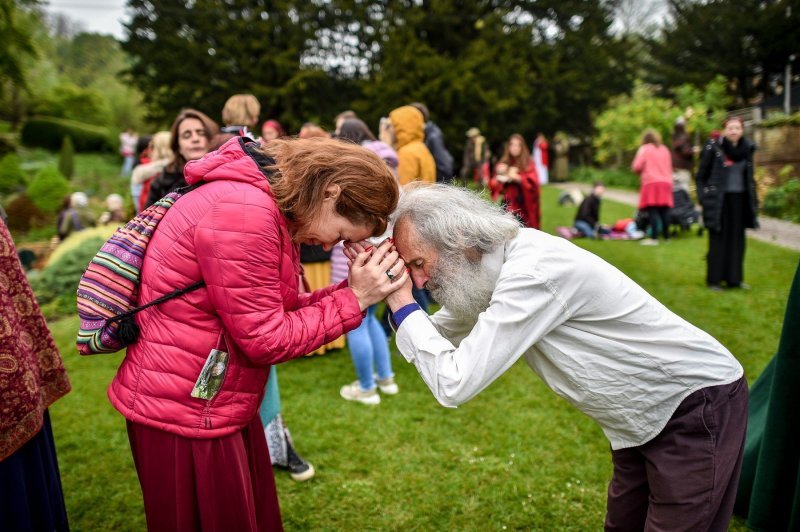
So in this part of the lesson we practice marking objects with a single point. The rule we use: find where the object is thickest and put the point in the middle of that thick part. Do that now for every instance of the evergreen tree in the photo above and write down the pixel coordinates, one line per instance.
(198, 54)
(48, 189)
(503, 65)
(12, 177)
(748, 41)
(66, 162)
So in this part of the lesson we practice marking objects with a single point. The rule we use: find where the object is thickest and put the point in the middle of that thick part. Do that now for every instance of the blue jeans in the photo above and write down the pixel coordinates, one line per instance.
(585, 228)
(370, 351)
(127, 165)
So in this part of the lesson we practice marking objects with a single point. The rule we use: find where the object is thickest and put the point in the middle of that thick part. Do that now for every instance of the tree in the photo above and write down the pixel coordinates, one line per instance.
(16, 49)
(48, 189)
(504, 66)
(66, 158)
(619, 128)
(198, 54)
(12, 177)
(749, 42)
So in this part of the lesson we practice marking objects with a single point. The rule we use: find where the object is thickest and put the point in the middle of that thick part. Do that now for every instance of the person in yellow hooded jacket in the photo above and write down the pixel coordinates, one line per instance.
(415, 161)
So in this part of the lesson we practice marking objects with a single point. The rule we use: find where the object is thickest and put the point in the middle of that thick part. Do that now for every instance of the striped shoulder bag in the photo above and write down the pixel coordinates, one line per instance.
(109, 288)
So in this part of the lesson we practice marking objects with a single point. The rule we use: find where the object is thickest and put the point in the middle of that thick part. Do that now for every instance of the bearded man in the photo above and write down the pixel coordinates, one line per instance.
(671, 399)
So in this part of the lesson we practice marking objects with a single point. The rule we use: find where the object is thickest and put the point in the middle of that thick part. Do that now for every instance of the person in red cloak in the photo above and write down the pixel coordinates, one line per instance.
(516, 179)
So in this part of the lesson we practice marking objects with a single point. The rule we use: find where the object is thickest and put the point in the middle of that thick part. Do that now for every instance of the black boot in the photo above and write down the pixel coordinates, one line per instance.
(299, 469)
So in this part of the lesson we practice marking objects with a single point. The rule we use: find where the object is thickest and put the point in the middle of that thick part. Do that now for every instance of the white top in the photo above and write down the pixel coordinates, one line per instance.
(594, 336)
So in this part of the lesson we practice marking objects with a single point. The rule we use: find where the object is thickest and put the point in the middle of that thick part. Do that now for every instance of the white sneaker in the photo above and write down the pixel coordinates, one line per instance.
(353, 392)
(649, 242)
(388, 386)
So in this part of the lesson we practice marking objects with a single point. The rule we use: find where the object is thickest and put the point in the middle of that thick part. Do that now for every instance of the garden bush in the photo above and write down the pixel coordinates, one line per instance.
(7, 145)
(66, 159)
(23, 214)
(780, 120)
(610, 177)
(48, 189)
(76, 240)
(12, 177)
(784, 201)
(48, 132)
(55, 286)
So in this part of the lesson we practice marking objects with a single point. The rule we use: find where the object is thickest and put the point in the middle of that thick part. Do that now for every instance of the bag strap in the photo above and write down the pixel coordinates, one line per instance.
(172, 295)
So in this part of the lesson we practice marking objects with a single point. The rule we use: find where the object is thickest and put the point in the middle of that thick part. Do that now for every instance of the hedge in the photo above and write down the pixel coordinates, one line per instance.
(48, 132)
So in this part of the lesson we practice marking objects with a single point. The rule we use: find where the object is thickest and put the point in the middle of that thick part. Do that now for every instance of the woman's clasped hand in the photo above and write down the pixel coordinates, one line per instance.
(375, 272)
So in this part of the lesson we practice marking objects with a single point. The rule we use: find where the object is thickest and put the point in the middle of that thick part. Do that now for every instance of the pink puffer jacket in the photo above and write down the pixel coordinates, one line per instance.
(230, 233)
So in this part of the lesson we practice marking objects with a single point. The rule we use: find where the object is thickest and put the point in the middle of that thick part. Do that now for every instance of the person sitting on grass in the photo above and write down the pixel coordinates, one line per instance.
(586, 221)
(671, 400)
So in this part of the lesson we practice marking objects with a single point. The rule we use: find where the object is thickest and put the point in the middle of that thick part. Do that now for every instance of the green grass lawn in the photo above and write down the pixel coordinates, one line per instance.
(516, 457)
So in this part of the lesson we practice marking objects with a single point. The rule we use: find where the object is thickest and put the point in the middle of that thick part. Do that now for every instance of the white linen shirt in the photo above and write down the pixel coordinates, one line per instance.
(594, 336)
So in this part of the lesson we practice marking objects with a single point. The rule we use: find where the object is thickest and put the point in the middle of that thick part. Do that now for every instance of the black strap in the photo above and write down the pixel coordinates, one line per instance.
(176, 293)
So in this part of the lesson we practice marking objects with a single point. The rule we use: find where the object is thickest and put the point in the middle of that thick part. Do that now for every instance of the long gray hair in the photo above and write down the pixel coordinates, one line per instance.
(454, 219)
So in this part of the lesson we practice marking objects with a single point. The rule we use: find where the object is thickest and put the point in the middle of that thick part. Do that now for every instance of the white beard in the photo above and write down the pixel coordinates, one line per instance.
(462, 286)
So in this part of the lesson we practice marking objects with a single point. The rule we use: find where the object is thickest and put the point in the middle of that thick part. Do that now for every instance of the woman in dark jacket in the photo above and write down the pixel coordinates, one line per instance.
(191, 134)
(727, 191)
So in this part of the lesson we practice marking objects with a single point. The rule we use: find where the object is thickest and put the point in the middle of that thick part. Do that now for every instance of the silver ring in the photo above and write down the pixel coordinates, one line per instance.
(390, 275)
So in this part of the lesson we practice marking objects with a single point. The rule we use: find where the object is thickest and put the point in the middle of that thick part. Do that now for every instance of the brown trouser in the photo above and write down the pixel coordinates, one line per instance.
(686, 477)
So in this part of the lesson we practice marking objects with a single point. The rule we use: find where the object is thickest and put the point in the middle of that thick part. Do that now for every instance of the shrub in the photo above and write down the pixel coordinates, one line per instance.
(67, 100)
(66, 159)
(76, 240)
(784, 201)
(57, 283)
(23, 214)
(12, 178)
(7, 145)
(48, 189)
(610, 177)
(618, 129)
(49, 132)
(780, 120)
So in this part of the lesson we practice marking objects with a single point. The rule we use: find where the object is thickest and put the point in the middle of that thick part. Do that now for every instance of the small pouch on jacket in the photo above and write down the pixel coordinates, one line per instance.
(213, 373)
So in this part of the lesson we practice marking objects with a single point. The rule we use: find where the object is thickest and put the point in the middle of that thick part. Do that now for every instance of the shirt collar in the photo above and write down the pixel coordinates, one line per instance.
(493, 261)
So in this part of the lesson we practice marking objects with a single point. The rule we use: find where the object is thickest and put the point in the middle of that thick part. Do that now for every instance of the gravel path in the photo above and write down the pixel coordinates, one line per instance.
(772, 230)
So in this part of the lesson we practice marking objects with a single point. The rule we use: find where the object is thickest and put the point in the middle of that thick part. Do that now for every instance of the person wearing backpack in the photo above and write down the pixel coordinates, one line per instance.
(434, 141)
(191, 384)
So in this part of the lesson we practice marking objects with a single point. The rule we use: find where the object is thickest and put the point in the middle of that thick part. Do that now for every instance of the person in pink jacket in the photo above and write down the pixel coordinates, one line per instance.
(203, 461)
(653, 162)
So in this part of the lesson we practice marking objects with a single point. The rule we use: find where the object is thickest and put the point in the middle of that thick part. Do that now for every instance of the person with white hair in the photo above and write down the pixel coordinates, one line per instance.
(115, 211)
(76, 217)
(671, 400)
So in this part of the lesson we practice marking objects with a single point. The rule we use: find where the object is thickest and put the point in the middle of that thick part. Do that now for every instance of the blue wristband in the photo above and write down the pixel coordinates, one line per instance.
(403, 312)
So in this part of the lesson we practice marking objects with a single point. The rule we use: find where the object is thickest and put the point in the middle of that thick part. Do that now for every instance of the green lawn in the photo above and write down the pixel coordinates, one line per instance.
(516, 457)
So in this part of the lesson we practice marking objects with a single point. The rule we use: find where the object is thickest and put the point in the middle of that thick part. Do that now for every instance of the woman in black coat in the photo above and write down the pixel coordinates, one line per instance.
(727, 191)
(191, 133)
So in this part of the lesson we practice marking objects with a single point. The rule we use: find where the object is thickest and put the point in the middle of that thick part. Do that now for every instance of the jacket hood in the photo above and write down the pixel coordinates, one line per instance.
(408, 124)
(239, 159)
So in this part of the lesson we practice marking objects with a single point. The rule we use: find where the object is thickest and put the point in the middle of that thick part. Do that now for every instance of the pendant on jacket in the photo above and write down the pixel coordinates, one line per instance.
(211, 376)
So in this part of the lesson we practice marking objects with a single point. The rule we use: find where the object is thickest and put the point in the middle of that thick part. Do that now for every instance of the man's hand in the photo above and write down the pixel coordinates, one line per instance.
(401, 297)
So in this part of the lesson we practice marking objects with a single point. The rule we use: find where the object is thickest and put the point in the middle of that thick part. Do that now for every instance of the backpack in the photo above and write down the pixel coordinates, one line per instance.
(109, 288)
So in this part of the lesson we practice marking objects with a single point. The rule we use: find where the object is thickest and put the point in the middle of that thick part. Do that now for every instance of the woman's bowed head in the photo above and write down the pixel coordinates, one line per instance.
(331, 191)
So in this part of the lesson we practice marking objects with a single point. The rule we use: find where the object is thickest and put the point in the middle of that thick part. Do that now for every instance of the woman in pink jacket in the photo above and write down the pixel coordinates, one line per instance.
(203, 461)
(653, 162)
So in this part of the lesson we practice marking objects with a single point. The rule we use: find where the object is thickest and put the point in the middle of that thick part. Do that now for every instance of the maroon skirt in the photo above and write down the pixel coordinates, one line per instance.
(217, 484)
